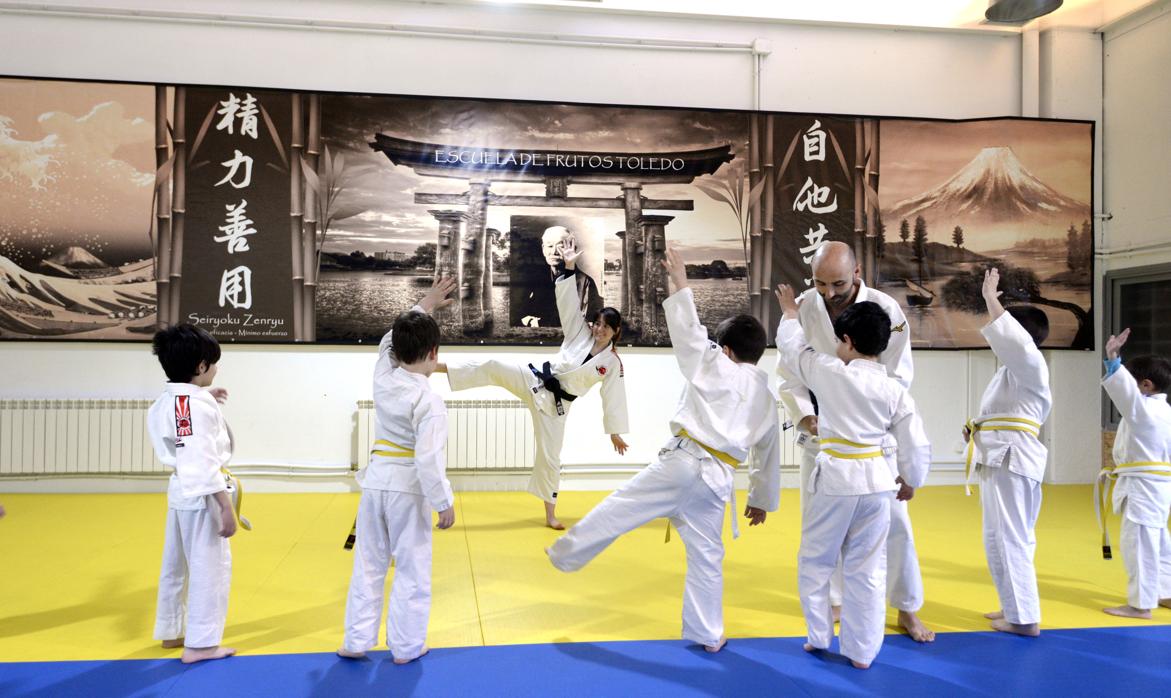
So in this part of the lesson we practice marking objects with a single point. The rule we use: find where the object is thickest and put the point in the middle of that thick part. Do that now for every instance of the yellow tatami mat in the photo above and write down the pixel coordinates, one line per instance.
(78, 574)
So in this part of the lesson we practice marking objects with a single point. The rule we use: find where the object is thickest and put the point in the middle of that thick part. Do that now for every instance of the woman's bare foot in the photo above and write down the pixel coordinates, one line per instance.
(343, 652)
(192, 655)
(551, 517)
(994, 615)
(718, 646)
(1127, 611)
(1027, 630)
(426, 649)
(909, 621)
(172, 644)
(859, 665)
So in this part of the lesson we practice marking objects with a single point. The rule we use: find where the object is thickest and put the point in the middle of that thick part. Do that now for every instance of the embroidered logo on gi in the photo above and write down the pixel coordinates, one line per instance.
(183, 415)
(901, 327)
(601, 370)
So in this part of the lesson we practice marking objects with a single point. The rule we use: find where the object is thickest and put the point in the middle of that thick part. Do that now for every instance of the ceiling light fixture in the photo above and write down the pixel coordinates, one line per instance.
(1019, 11)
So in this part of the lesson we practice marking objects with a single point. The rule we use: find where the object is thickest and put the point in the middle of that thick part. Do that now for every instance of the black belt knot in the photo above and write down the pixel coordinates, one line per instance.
(545, 375)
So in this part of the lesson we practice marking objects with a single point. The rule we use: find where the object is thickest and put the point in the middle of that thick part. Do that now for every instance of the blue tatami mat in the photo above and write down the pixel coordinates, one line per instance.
(1060, 663)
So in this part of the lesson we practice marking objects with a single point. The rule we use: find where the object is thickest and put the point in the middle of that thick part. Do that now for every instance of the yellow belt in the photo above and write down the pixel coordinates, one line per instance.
(723, 458)
(395, 451)
(1021, 424)
(871, 451)
(237, 499)
(1104, 487)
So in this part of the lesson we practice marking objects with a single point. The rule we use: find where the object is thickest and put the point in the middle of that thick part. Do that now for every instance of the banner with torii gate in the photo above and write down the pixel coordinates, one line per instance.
(281, 216)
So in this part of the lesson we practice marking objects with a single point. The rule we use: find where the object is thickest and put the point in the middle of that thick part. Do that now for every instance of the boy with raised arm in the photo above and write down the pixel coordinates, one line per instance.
(851, 487)
(405, 480)
(1142, 476)
(726, 410)
(1005, 443)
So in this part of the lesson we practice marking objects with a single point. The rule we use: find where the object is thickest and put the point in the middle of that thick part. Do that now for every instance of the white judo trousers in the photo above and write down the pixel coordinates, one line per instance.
(904, 581)
(1146, 553)
(195, 579)
(391, 525)
(1011, 504)
(548, 430)
(674, 486)
(851, 529)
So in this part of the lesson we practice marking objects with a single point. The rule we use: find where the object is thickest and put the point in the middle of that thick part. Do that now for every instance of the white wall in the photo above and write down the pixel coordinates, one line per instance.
(294, 404)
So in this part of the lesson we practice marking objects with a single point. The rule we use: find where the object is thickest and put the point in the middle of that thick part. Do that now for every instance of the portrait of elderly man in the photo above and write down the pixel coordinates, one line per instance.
(534, 304)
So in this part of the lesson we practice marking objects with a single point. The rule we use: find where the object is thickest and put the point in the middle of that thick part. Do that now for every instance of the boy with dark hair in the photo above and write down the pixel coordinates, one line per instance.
(726, 411)
(851, 489)
(1004, 441)
(190, 436)
(1141, 475)
(404, 480)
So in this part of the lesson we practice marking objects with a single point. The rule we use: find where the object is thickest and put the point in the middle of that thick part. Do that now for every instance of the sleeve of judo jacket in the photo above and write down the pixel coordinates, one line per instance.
(914, 450)
(430, 421)
(1124, 393)
(764, 468)
(701, 361)
(196, 456)
(386, 346)
(897, 357)
(1014, 348)
(573, 324)
(798, 358)
(615, 419)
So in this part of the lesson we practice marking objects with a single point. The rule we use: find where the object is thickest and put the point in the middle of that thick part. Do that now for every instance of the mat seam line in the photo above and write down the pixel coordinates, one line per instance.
(472, 571)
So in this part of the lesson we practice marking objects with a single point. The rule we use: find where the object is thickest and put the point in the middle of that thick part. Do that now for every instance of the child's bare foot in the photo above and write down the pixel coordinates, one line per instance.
(909, 621)
(1027, 629)
(994, 615)
(426, 649)
(551, 517)
(1127, 611)
(837, 611)
(808, 647)
(859, 665)
(343, 652)
(718, 646)
(1165, 603)
(172, 644)
(192, 655)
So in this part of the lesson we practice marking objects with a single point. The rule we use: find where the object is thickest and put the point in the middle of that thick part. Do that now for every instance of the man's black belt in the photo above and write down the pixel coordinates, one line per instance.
(545, 375)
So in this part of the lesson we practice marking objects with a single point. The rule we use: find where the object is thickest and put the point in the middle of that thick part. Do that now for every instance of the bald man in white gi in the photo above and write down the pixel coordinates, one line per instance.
(838, 284)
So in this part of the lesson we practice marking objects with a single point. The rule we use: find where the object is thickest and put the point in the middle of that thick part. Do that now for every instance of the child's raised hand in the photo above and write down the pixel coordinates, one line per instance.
(446, 518)
(220, 394)
(1114, 344)
(787, 299)
(991, 284)
(676, 270)
(437, 296)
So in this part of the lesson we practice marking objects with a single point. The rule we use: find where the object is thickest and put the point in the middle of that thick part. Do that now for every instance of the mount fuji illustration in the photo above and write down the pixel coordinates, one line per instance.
(993, 188)
(77, 258)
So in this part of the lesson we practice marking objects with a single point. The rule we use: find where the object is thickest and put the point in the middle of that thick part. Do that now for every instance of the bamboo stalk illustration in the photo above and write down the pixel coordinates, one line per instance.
(179, 205)
(754, 178)
(310, 244)
(767, 231)
(163, 163)
(296, 218)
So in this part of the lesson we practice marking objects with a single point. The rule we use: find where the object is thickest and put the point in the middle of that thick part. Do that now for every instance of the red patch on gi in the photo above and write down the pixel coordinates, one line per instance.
(601, 370)
(183, 415)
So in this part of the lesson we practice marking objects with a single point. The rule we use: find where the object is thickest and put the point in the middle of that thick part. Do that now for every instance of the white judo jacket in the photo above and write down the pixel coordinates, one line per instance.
(819, 333)
(1144, 436)
(408, 416)
(190, 435)
(1019, 390)
(726, 406)
(575, 373)
(860, 406)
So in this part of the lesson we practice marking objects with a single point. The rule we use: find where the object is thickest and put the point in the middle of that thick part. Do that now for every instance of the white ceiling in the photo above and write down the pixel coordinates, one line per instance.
(951, 14)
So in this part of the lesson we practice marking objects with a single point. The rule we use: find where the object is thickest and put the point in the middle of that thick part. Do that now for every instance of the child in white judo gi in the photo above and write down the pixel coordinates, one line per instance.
(726, 410)
(838, 284)
(1141, 475)
(851, 488)
(1004, 442)
(405, 480)
(587, 357)
(190, 436)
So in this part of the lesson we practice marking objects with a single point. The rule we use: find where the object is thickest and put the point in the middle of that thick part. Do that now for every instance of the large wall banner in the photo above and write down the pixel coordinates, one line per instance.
(276, 216)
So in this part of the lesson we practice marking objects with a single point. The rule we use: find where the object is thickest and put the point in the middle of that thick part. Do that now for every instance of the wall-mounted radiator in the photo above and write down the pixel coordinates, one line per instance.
(76, 437)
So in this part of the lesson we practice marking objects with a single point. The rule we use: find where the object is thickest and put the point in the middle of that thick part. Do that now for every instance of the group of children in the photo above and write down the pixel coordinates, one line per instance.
(868, 455)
